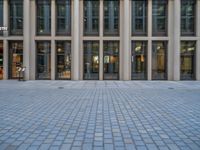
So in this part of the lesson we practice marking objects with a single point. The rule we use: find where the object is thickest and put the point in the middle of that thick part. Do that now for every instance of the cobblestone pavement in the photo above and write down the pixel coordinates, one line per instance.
(100, 115)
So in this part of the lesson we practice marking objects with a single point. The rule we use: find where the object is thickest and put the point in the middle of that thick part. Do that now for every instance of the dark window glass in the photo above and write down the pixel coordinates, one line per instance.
(188, 17)
(63, 17)
(188, 50)
(111, 17)
(1, 16)
(91, 17)
(91, 60)
(43, 60)
(15, 58)
(63, 49)
(139, 17)
(159, 60)
(16, 17)
(139, 60)
(1, 60)
(159, 10)
(111, 60)
(43, 17)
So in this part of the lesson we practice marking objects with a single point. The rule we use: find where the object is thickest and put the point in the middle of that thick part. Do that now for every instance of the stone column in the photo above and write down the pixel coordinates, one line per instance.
(198, 42)
(75, 40)
(26, 42)
(149, 58)
(176, 56)
(101, 42)
(53, 33)
(126, 41)
(5, 42)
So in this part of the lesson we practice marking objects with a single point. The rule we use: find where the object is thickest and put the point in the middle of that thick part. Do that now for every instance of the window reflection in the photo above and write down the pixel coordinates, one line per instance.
(43, 60)
(159, 10)
(1, 16)
(111, 17)
(188, 17)
(1, 60)
(139, 60)
(63, 17)
(16, 17)
(43, 17)
(159, 61)
(188, 60)
(139, 17)
(111, 60)
(91, 60)
(15, 58)
(63, 50)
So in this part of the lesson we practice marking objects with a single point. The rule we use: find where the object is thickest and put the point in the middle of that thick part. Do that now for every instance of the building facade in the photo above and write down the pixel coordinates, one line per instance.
(100, 39)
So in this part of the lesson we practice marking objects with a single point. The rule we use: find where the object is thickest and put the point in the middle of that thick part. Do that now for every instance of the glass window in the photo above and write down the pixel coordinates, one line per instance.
(111, 60)
(159, 60)
(43, 17)
(63, 49)
(188, 50)
(159, 10)
(139, 60)
(63, 17)
(43, 60)
(188, 17)
(1, 60)
(139, 17)
(91, 60)
(15, 58)
(16, 17)
(1, 16)
(91, 17)
(111, 17)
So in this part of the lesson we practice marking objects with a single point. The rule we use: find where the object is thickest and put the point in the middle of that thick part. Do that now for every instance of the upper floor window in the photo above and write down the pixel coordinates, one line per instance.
(188, 17)
(111, 17)
(63, 17)
(1, 15)
(139, 17)
(159, 22)
(43, 17)
(16, 17)
(91, 17)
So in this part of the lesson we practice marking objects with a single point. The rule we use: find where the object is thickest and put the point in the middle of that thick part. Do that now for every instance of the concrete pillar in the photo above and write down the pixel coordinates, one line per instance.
(75, 51)
(176, 56)
(149, 58)
(81, 65)
(53, 33)
(26, 42)
(5, 16)
(126, 41)
(198, 42)
(101, 41)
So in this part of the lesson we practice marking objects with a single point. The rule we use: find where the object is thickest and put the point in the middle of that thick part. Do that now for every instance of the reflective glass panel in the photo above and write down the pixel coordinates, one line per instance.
(91, 60)
(43, 60)
(159, 60)
(139, 60)
(111, 60)
(1, 60)
(1, 16)
(63, 49)
(188, 50)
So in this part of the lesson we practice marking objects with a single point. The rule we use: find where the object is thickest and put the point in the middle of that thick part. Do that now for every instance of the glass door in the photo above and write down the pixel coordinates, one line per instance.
(1, 60)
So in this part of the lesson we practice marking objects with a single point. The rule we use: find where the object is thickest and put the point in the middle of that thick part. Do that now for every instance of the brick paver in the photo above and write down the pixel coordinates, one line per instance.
(99, 115)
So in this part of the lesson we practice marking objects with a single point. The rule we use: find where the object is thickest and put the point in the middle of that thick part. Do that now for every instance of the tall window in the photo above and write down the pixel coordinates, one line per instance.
(188, 17)
(91, 17)
(1, 16)
(43, 17)
(139, 17)
(160, 17)
(188, 50)
(63, 17)
(1, 60)
(43, 60)
(91, 60)
(111, 17)
(63, 49)
(159, 60)
(16, 17)
(111, 60)
(139, 60)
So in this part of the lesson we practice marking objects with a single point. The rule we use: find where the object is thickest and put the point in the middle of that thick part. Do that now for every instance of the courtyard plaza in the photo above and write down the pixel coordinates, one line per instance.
(99, 115)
